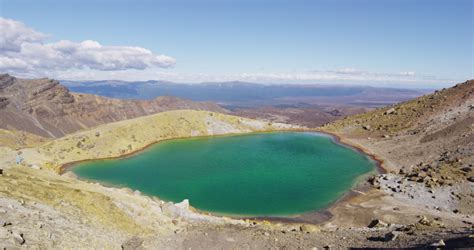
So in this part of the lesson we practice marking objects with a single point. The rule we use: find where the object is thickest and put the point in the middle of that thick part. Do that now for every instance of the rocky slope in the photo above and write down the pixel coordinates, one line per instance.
(433, 131)
(310, 117)
(427, 145)
(46, 108)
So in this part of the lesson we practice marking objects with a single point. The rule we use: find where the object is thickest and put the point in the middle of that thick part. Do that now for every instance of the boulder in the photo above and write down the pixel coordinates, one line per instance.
(440, 243)
(466, 169)
(408, 229)
(373, 180)
(4, 223)
(18, 238)
(376, 223)
(391, 236)
(390, 111)
(424, 221)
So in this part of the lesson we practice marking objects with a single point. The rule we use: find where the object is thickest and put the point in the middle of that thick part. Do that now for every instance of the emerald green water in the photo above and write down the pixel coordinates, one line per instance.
(271, 174)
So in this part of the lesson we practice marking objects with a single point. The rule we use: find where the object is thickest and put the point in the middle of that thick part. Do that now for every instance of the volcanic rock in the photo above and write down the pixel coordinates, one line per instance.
(376, 223)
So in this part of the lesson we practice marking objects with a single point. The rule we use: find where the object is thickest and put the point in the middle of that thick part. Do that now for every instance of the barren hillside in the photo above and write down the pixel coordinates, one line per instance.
(310, 117)
(427, 145)
(46, 108)
(433, 129)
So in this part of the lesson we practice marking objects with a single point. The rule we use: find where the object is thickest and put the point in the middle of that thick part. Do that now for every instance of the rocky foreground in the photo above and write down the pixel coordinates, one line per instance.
(424, 199)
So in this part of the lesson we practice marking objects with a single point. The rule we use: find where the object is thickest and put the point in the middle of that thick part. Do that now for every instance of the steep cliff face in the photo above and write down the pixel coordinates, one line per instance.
(45, 107)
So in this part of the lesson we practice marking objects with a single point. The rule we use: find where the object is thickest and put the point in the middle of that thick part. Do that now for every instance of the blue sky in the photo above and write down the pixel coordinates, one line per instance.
(389, 42)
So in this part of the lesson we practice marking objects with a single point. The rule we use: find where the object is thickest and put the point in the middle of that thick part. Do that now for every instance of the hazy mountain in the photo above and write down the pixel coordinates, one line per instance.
(244, 94)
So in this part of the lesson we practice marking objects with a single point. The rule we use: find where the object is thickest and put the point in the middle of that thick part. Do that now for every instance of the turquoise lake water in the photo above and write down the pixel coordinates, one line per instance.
(268, 174)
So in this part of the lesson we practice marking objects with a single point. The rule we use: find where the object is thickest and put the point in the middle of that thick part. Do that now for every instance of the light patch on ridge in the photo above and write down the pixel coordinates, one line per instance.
(217, 127)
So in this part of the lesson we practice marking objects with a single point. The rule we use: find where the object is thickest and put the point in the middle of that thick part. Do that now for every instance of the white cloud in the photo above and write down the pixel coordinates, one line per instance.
(24, 52)
(14, 34)
(23, 49)
(408, 73)
(12, 64)
(350, 71)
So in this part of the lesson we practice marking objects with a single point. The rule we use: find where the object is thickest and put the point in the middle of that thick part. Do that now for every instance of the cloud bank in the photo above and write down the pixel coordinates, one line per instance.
(23, 50)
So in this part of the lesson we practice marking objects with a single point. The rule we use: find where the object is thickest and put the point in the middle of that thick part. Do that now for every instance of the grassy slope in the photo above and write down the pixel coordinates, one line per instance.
(124, 137)
(19, 139)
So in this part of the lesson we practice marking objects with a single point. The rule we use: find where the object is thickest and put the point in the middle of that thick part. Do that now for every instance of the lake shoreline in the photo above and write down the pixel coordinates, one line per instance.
(311, 217)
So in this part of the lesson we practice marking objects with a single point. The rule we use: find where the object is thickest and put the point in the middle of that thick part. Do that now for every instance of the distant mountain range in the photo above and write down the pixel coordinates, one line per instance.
(48, 108)
(245, 94)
